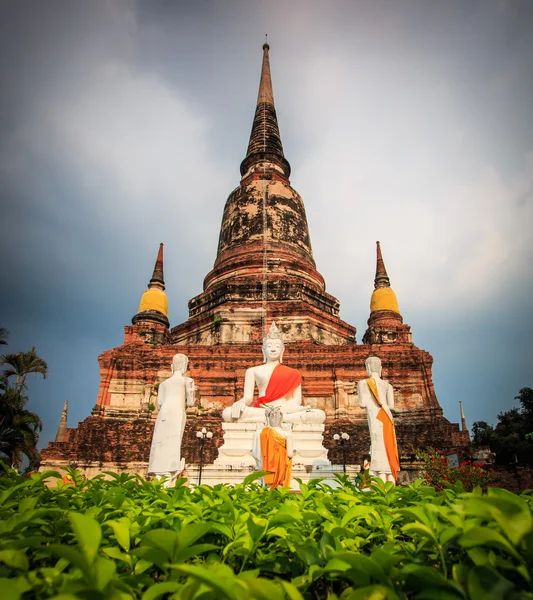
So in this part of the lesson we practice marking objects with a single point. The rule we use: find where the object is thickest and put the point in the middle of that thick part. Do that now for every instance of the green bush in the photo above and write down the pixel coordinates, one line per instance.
(125, 538)
(438, 473)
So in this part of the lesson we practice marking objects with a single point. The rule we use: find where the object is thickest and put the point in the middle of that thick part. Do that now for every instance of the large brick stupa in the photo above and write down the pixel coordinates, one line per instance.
(264, 271)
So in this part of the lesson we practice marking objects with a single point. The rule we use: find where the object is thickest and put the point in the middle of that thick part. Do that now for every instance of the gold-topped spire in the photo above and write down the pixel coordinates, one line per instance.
(383, 297)
(154, 302)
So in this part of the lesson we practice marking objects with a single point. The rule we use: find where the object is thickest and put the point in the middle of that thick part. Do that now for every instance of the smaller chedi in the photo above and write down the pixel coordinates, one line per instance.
(174, 395)
(277, 384)
(273, 449)
(377, 396)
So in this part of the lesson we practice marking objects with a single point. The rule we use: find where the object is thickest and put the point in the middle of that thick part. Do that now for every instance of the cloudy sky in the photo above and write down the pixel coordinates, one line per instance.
(123, 124)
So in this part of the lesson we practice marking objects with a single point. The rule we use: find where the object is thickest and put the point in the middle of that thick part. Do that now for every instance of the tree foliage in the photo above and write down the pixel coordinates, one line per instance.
(19, 427)
(118, 537)
(509, 439)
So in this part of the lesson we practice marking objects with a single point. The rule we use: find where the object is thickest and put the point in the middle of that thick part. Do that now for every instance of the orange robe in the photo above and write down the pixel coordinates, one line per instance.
(389, 434)
(283, 382)
(275, 459)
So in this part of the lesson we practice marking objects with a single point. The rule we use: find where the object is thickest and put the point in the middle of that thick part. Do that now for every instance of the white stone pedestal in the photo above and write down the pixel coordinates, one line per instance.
(214, 475)
(236, 451)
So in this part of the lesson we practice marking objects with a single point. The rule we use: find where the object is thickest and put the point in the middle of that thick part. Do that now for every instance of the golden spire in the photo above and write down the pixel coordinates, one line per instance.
(154, 302)
(383, 297)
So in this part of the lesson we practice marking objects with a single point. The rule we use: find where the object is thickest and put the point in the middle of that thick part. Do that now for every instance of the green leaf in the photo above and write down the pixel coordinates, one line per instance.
(362, 563)
(223, 529)
(484, 583)
(291, 590)
(308, 553)
(212, 578)
(121, 529)
(162, 539)
(254, 477)
(263, 589)
(74, 557)
(192, 532)
(285, 514)
(425, 578)
(478, 556)
(154, 556)
(335, 565)
(372, 592)
(161, 589)
(88, 534)
(511, 512)
(141, 566)
(14, 558)
(196, 550)
(114, 552)
(420, 529)
(13, 588)
(483, 536)
(438, 594)
(356, 512)
(256, 528)
(104, 570)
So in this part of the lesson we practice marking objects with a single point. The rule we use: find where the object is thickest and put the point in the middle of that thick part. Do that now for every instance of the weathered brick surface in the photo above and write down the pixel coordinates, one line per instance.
(115, 433)
(263, 225)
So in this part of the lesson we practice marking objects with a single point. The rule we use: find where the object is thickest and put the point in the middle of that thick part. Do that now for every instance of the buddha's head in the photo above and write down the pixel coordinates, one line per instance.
(273, 345)
(179, 363)
(373, 366)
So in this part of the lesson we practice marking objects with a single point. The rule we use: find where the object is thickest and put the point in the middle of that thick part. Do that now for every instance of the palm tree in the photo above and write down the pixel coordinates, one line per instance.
(19, 433)
(22, 364)
(19, 428)
(3, 335)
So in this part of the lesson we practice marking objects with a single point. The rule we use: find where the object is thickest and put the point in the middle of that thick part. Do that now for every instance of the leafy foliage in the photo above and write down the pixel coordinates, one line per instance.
(438, 473)
(19, 427)
(510, 439)
(125, 538)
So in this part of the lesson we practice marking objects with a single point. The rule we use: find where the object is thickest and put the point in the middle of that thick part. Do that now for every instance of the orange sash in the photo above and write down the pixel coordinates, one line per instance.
(389, 434)
(283, 381)
(275, 460)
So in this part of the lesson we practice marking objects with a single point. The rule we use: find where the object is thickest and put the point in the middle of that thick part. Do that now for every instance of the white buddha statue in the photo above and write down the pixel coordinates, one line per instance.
(277, 384)
(174, 395)
(273, 449)
(377, 396)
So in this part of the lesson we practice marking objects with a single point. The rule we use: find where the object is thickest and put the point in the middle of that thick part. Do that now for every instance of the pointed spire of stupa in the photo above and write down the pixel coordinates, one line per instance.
(463, 419)
(154, 302)
(158, 279)
(385, 324)
(62, 429)
(381, 279)
(383, 297)
(265, 149)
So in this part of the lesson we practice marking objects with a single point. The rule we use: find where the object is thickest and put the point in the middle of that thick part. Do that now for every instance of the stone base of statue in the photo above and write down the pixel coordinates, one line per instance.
(236, 451)
(215, 475)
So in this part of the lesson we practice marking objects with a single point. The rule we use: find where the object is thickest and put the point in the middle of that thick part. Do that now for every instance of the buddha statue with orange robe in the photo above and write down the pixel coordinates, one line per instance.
(377, 396)
(277, 384)
(273, 449)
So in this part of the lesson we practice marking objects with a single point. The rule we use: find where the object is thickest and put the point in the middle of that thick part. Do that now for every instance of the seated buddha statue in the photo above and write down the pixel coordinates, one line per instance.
(277, 385)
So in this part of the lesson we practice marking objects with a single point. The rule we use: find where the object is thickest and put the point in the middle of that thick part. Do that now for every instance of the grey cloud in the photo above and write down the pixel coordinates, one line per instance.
(123, 124)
